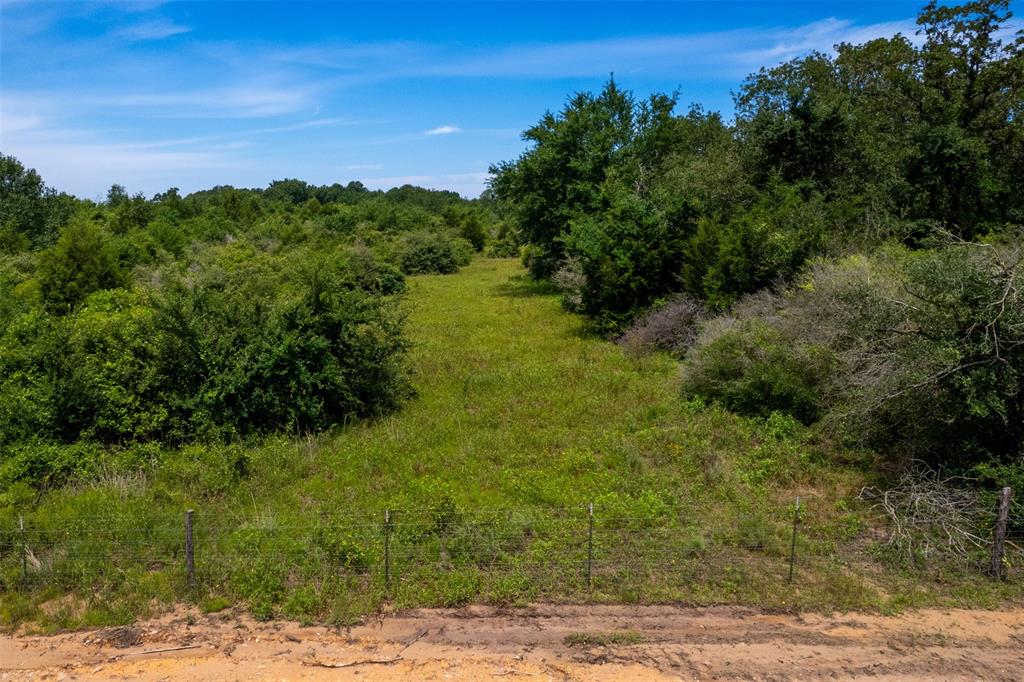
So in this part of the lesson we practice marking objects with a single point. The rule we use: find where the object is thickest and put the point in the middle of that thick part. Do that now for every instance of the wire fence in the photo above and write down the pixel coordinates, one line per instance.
(545, 552)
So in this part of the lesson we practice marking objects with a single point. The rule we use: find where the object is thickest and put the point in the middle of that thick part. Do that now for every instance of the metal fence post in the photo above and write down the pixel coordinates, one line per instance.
(24, 549)
(999, 539)
(190, 556)
(792, 548)
(387, 548)
(590, 545)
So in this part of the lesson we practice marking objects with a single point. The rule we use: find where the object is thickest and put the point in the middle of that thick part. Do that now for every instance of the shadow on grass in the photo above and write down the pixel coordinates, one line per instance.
(522, 286)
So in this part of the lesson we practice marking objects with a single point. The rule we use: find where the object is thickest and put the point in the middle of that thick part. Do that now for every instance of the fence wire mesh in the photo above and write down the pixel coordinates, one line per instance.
(552, 552)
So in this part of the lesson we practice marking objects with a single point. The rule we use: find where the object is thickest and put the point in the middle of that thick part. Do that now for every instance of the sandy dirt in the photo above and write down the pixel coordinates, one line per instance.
(543, 642)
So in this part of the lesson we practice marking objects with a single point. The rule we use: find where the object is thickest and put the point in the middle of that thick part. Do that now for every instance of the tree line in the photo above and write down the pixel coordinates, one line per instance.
(845, 251)
(216, 315)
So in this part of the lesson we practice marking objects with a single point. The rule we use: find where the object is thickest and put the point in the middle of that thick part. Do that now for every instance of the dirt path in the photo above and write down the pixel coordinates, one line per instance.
(543, 642)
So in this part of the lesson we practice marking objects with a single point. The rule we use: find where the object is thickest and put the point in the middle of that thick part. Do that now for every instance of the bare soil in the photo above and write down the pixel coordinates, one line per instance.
(542, 642)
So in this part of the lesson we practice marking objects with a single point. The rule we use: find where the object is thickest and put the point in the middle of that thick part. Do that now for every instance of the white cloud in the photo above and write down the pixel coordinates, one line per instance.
(152, 30)
(443, 130)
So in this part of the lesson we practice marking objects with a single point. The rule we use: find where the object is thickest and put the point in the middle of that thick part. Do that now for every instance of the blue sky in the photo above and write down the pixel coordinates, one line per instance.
(153, 95)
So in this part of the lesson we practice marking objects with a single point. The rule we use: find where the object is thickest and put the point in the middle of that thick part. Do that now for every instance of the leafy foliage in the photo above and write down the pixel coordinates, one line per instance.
(884, 141)
(913, 347)
(918, 353)
(219, 314)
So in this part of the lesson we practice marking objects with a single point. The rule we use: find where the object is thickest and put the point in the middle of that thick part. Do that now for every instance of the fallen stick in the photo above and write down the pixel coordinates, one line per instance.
(352, 664)
(160, 651)
(371, 661)
(420, 635)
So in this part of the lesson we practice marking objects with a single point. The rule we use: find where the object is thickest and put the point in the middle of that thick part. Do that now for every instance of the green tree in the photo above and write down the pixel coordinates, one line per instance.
(22, 208)
(560, 176)
(972, 138)
(83, 260)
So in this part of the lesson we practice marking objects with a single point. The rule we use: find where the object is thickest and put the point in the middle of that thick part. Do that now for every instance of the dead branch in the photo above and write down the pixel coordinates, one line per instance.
(163, 651)
(929, 516)
(370, 661)
(352, 664)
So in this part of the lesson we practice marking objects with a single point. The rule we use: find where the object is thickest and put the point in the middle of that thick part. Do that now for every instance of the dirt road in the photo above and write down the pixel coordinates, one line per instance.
(544, 642)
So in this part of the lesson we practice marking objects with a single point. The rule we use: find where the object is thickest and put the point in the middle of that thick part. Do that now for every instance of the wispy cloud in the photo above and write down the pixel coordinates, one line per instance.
(715, 54)
(235, 101)
(819, 36)
(443, 130)
(364, 166)
(157, 29)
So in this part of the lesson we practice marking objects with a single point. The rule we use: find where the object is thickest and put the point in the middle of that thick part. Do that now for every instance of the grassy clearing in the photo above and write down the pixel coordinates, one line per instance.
(517, 409)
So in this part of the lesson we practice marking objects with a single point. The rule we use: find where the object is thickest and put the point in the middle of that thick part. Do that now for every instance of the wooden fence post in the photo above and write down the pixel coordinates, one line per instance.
(999, 539)
(190, 556)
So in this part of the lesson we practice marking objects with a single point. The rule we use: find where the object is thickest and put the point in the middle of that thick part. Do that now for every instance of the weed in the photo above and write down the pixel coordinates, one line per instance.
(622, 638)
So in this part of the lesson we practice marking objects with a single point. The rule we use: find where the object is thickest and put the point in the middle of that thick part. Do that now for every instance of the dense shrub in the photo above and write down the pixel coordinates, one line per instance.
(505, 242)
(754, 249)
(278, 343)
(45, 465)
(33, 376)
(944, 378)
(918, 354)
(115, 386)
(672, 326)
(628, 256)
(245, 342)
(138, 323)
(752, 368)
(372, 274)
(432, 252)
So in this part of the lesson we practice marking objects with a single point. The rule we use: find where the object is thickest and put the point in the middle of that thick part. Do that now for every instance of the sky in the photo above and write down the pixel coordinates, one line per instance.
(154, 95)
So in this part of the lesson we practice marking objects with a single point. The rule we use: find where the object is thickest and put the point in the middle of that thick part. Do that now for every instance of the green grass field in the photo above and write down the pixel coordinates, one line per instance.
(521, 420)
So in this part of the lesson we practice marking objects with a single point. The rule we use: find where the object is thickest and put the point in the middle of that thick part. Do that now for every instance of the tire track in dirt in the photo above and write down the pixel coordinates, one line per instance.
(541, 642)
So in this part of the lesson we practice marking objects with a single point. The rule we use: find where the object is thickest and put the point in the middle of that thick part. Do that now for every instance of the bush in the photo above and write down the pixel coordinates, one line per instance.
(754, 249)
(673, 327)
(432, 252)
(753, 369)
(115, 382)
(33, 371)
(629, 255)
(247, 342)
(506, 242)
(943, 378)
(278, 343)
(372, 274)
(47, 465)
(572, 283)
(917, 354)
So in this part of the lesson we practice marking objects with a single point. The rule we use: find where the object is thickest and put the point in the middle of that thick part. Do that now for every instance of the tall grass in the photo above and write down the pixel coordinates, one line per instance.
(517, 409)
